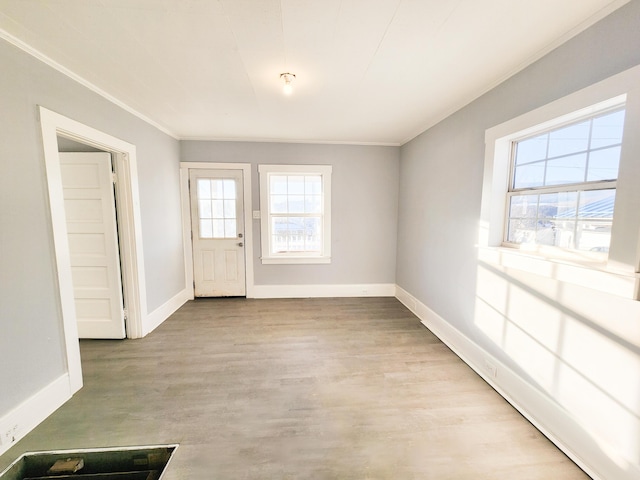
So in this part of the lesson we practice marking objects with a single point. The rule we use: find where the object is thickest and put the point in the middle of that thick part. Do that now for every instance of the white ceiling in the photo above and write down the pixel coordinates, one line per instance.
(367, 71)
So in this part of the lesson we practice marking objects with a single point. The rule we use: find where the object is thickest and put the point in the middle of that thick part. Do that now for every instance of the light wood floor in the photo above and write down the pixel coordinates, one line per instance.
(299, 389)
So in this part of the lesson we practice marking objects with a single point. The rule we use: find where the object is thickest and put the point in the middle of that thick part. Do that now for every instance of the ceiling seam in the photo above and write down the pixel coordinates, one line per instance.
(235, 41)
(384, 35)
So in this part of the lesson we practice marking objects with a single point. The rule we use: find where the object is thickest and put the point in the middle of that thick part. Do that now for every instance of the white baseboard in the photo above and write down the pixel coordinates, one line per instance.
(540, 409)
(317, 291)
(164, 311)
(26, 416)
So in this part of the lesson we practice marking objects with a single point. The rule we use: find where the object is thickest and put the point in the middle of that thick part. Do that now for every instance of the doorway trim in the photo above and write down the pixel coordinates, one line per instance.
(186, 219)
(129, 226)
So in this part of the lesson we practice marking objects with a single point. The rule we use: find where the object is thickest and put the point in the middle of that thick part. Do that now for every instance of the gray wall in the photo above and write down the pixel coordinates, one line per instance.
(31, 338)
(441, 170)
(561, 339)
(364, 185)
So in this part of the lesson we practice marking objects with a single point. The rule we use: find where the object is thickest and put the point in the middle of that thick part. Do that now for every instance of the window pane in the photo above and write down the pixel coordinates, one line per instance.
(594, 236)
(561, 205)
(229, 186)
(607, 130)
(313, 234)
(204, 209)
(218, 208)
(313, 185)
(529, 175)
(278, 204)
(597, 204)
(296, 234)
(566, 170)
(296, 204)
(603, 164)
(571, 139)
(548, 206)
(522, 230)
(565, 234)
(525, 206)
(545, 232)
(206, 229)
(229, 209)
(279, 234)
(292, 234)
(278, 184)
(532, 149)
(295, 185)
(313, 204)
(218, 228)
(204, 188)
(217, 189)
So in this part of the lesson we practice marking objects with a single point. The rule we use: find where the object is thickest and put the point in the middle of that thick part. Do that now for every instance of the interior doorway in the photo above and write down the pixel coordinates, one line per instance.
(55, 126)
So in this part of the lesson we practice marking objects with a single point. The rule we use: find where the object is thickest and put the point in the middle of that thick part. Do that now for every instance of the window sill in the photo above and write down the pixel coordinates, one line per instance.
(591, 271)
(295, 260)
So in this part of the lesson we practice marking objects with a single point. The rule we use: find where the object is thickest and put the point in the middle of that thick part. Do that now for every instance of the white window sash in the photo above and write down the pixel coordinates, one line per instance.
(301, 257)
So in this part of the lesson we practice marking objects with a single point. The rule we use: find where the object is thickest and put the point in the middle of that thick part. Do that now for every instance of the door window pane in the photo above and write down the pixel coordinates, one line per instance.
(206, 228)
(217, 207)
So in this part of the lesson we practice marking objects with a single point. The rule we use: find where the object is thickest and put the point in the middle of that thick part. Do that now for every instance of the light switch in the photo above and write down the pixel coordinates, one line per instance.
(256, 214)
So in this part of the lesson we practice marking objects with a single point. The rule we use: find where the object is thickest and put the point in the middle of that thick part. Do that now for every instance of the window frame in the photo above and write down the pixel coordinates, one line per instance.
(618, 272)
(324, 257)
(498, 153)
(611, 106)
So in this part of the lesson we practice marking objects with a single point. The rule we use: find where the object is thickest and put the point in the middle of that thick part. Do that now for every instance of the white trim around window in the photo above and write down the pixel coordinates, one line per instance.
(623, 260)
(309, 204)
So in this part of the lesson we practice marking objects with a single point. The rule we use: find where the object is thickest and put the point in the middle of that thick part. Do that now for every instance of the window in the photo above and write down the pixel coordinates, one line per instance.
(563, 184)
(217, 207)
(295, 202)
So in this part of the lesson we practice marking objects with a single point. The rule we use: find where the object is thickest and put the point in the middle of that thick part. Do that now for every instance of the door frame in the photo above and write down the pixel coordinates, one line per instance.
(186, 219)
(129, 228)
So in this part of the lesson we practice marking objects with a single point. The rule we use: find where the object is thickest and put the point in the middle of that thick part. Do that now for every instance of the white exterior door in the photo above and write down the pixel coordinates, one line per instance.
(87, 183)
(217, 214)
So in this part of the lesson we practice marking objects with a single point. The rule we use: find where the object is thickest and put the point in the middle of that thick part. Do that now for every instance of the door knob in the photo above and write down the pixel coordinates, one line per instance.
(241, 244)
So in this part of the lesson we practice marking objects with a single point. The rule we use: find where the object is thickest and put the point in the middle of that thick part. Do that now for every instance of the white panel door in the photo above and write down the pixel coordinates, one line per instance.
(89, 202)
(217, 214)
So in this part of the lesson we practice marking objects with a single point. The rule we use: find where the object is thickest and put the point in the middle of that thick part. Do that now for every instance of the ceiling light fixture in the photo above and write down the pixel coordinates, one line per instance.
(288, 78)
